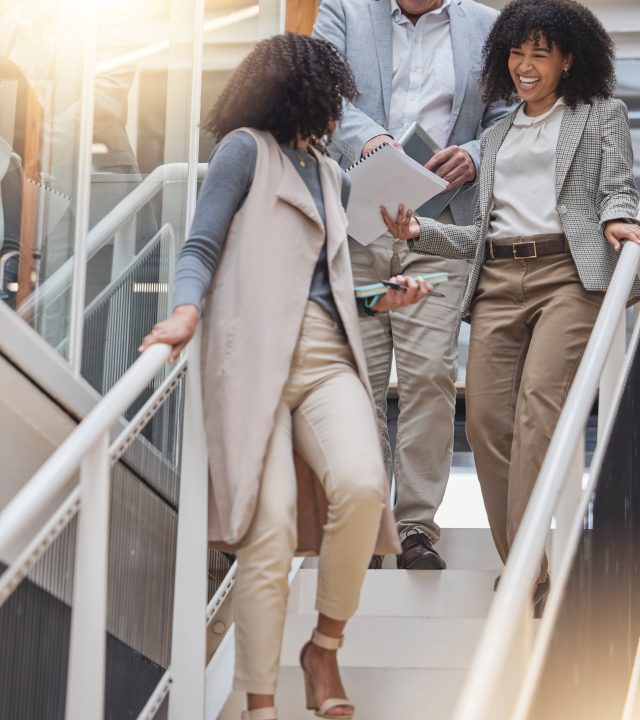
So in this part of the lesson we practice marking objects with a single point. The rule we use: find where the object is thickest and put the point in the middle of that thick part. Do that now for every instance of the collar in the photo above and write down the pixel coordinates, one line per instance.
(397, 15)
(522, 120)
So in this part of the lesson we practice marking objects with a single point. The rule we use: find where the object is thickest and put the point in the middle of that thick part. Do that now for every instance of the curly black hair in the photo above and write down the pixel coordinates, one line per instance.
(288, 84)
(572, 27)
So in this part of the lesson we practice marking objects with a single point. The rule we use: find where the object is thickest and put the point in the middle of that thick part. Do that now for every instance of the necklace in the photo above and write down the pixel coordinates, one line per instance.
(302, 154)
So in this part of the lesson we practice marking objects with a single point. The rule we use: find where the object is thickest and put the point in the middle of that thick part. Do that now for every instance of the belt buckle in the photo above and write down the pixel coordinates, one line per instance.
(525, 257)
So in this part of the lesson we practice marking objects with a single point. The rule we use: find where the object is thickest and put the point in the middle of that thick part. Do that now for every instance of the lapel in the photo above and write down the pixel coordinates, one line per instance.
(292, 190)
(380, 11)
(459, 22)
(571, 129)
(336, 228)
(495, 137)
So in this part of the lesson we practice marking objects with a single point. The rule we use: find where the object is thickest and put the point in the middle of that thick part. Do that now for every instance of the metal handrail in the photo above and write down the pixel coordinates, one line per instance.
(484, 689)
(108, 226)
(50, 479)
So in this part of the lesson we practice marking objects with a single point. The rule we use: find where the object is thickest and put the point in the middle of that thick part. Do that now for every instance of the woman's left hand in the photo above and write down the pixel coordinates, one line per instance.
(405, 225)
(615, 231)
(417, 289)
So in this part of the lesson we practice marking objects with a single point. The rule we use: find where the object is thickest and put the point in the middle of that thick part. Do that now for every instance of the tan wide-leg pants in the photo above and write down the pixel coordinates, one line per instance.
(326, 415)
(424, 338)
(530, 322)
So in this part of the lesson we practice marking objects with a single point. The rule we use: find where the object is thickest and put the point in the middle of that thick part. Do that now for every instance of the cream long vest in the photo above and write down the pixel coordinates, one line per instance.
(251, 321)
(594, 183)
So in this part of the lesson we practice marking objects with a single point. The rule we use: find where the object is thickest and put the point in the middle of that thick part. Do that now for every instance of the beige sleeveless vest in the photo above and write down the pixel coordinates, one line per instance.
(251, 321)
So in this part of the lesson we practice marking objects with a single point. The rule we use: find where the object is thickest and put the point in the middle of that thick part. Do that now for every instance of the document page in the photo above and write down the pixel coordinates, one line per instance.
(389, 177)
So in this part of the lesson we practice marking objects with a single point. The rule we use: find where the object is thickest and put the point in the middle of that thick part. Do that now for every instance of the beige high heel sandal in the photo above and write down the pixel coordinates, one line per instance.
(328, 643)
(268, 713)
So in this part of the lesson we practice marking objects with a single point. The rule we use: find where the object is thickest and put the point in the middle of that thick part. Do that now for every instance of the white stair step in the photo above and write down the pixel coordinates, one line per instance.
(461, 548)
(393, 642)
(378, 694)
(468, 549)
(408, 593)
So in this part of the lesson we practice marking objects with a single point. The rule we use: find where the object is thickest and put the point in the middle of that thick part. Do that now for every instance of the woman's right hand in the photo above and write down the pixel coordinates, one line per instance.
(404, 227)
(176, 330)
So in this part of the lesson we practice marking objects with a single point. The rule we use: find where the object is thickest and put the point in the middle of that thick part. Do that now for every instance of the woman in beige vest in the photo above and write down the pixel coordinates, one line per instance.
(294, 458)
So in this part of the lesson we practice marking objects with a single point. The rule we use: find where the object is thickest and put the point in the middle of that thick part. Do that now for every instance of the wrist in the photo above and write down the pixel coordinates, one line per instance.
(187, 311)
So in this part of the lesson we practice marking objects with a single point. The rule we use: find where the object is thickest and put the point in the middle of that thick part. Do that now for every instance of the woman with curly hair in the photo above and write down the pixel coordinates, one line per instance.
(556, 198)
(294, 458)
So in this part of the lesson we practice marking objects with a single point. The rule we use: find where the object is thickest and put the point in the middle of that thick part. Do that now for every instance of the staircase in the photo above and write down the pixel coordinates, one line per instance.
(413, 637)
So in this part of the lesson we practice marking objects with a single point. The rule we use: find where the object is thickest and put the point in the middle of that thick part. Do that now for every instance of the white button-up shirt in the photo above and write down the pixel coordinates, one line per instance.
(524, 188)
(424, 78)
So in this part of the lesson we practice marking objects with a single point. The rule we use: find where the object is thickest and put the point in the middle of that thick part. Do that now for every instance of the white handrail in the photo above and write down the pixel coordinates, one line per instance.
(106, 228)
(50, 479)
(486, 676)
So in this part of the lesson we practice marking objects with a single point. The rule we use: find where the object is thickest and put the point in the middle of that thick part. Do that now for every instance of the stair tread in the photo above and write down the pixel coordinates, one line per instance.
(398, 642)
(433, 691)
(408, 593)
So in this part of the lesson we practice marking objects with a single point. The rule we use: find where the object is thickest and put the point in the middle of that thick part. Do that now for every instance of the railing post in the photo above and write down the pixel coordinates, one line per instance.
(87, 647)
(188, 644)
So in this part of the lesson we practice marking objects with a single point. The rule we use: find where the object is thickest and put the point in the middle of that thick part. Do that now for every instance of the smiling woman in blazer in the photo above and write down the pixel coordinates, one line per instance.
(556, 198)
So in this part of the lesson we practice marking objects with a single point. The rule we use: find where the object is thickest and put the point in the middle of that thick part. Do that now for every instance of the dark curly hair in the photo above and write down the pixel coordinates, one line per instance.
(572, 27)
(288, 84)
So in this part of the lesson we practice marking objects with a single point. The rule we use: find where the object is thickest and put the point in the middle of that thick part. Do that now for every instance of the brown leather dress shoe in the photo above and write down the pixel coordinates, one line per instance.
(418, 554)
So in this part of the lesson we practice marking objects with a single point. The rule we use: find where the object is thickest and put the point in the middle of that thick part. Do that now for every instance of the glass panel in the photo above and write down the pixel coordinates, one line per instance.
(41, 61)
(140, 148)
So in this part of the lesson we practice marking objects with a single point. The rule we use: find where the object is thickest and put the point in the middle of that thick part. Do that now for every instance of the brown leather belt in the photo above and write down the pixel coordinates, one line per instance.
(523, 248)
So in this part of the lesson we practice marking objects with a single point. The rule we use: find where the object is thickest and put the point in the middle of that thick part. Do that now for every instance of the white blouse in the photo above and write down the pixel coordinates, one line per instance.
(524, 189)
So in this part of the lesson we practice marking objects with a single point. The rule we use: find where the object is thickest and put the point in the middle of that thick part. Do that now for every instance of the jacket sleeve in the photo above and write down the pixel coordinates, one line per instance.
(450, 241)
(355, 127)
(617, 192)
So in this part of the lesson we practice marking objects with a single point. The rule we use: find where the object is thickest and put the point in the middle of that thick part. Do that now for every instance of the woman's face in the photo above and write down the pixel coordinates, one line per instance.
(536, 70)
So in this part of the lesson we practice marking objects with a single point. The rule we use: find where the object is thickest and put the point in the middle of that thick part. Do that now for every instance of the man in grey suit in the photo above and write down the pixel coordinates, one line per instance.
(415, 60)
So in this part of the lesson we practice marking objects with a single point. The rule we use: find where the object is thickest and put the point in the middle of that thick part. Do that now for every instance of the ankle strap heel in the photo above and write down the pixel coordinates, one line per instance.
(322, 711)
(326, 642)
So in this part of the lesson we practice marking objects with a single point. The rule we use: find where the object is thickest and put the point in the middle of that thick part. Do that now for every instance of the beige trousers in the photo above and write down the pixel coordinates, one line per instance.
(326, 415)
(530, 322)
(424, 338)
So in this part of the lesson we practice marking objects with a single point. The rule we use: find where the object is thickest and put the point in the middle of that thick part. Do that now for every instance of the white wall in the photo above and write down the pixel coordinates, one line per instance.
(620, 17)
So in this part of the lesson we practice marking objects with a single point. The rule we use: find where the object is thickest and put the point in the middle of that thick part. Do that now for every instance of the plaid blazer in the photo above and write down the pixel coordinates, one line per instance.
(594, 184)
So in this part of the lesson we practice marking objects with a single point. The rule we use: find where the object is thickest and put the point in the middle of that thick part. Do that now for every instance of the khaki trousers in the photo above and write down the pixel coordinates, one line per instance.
(326, 415)
(530, 322)
(424, 338)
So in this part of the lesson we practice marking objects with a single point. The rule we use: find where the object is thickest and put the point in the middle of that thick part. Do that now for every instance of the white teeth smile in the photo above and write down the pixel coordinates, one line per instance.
(528, 81)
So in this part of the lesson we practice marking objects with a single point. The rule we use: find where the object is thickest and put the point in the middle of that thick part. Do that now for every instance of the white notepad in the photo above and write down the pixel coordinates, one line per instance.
(386, 176)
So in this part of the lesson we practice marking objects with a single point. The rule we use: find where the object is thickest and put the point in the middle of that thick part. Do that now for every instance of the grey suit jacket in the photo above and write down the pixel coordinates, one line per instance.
(362, 32)
(594, 183)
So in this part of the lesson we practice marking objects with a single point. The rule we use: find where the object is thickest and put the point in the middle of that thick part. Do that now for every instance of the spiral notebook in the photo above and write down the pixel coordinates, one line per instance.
(420, 146)
(386, 176)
